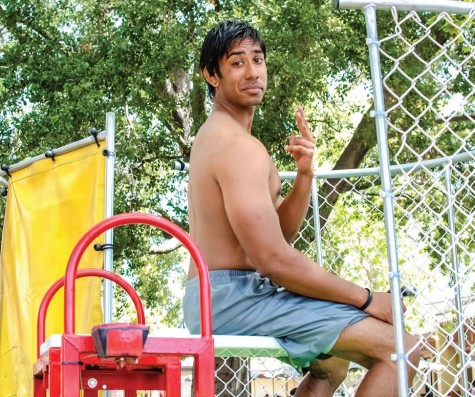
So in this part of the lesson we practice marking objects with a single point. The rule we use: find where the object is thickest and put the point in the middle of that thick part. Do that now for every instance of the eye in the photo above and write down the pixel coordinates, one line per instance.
(259, 60)
(237, 63)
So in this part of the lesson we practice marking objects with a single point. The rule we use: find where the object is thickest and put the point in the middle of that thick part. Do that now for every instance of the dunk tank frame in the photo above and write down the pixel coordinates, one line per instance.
(121, 356)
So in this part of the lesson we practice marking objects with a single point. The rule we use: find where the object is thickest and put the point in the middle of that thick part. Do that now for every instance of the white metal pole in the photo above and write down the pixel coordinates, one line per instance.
(316, 222)
(54, 152)
(357, 172)
(388, 199)
(464, 357)
(108, 212)
(451, 6)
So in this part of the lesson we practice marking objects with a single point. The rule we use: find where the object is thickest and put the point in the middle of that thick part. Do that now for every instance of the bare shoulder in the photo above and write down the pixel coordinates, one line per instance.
(244, 158)
(244, 146)
(225, 148)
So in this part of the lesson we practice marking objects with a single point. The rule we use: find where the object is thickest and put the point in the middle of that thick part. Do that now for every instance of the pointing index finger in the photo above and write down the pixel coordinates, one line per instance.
(302, 124)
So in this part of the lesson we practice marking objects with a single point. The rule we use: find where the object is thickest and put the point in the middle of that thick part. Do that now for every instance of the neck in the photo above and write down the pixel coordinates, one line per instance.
(242, 115)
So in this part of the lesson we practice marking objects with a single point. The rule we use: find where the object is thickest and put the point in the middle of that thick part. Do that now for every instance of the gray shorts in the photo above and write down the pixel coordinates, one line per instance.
(245, 303)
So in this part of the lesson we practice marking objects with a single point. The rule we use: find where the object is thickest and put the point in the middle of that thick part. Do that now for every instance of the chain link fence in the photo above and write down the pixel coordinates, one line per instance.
(426, 56)
(435, 206)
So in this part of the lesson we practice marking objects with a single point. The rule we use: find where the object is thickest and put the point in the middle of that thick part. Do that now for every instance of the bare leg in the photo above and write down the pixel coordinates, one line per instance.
(370, 343)
(324, 378)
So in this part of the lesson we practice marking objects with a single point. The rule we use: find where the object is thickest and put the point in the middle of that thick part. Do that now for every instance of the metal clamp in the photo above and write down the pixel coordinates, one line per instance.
(6, 168)
(102, 247)
(94, 133)
(50, 154)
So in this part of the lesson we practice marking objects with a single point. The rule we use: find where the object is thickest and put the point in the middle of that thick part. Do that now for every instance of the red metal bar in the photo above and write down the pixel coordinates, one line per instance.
(54, 371)
(204, 383)
(41, 320)
(70, 370)
(39, 387)
(132, 218)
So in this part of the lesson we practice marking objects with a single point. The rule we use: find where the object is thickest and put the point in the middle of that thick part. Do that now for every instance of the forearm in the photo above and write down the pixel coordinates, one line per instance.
(294, 271)
(299, 274)
(294, 207)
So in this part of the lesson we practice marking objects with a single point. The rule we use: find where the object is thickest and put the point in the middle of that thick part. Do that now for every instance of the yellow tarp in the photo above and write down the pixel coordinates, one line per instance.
(50, 205)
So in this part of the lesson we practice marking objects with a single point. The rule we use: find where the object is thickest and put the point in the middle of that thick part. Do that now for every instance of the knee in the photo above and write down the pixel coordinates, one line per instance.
(413, 349)
(332, 370)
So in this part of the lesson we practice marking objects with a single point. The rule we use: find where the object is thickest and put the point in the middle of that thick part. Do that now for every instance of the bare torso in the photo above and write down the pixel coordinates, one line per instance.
(210, 228)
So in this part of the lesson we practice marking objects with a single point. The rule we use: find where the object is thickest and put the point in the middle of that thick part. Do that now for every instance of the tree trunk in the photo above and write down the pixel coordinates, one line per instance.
(233, 377)
(361, 142)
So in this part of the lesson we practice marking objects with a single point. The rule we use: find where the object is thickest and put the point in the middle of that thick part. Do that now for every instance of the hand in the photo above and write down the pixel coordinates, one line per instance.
(381, 307)
(301, 148)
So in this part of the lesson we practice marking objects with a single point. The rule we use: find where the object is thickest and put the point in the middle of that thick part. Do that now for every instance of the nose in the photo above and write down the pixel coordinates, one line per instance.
(252, 71)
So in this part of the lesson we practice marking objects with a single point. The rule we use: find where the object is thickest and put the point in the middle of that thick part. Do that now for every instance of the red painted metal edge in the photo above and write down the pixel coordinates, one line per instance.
(136, 218)
(41, 320)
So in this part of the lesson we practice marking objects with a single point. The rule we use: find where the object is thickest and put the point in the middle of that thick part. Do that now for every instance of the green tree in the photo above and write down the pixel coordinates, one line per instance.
(65, 64)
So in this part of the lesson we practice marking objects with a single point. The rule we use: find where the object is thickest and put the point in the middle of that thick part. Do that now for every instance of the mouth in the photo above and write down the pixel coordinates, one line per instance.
(253, 89)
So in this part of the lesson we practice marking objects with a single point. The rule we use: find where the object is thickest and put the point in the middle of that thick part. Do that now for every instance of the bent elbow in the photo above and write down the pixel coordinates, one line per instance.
(270, 264)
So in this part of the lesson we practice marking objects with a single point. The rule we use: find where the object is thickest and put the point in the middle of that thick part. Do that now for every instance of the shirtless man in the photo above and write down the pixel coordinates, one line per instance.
(260, 284)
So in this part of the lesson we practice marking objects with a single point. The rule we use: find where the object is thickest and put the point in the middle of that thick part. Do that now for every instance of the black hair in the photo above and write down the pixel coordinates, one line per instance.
(220, 40)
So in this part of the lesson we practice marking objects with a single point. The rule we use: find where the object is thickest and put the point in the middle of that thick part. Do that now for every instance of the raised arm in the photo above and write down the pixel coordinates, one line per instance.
(294, 207)
(243, 178)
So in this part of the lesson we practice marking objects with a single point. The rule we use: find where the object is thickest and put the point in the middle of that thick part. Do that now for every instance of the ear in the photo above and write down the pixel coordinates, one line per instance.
(213, 80)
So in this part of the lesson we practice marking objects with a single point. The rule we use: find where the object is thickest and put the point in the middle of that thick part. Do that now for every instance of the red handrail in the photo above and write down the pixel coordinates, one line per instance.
(41, 320)
(133, 218)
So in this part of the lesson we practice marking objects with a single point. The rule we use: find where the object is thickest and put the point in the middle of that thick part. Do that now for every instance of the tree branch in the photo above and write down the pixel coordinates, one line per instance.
(361, 142)
(456, 119)
(166, 247)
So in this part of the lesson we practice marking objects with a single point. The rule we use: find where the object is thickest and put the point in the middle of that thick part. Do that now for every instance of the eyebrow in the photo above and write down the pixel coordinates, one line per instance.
(256, 51)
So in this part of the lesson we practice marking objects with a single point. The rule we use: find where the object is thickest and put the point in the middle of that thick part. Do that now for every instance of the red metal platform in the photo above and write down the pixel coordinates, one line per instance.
(122, 363)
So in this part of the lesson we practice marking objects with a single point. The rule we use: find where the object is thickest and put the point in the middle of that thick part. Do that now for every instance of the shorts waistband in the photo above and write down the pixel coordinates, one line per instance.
(222, 276)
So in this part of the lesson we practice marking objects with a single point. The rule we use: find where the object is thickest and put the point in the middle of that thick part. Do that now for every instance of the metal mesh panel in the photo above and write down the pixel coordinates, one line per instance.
(428, 80)
(258, 376)
(353, 246)
(438, 286)
(428, 83)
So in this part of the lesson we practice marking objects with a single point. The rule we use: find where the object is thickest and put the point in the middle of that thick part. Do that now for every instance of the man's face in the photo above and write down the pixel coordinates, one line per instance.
(243, 78)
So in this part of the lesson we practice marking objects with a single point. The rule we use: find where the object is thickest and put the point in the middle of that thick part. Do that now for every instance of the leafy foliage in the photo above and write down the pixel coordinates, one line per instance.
(64, 64)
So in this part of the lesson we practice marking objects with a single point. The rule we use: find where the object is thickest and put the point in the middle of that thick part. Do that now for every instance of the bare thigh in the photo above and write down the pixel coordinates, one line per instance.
(365, 342)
